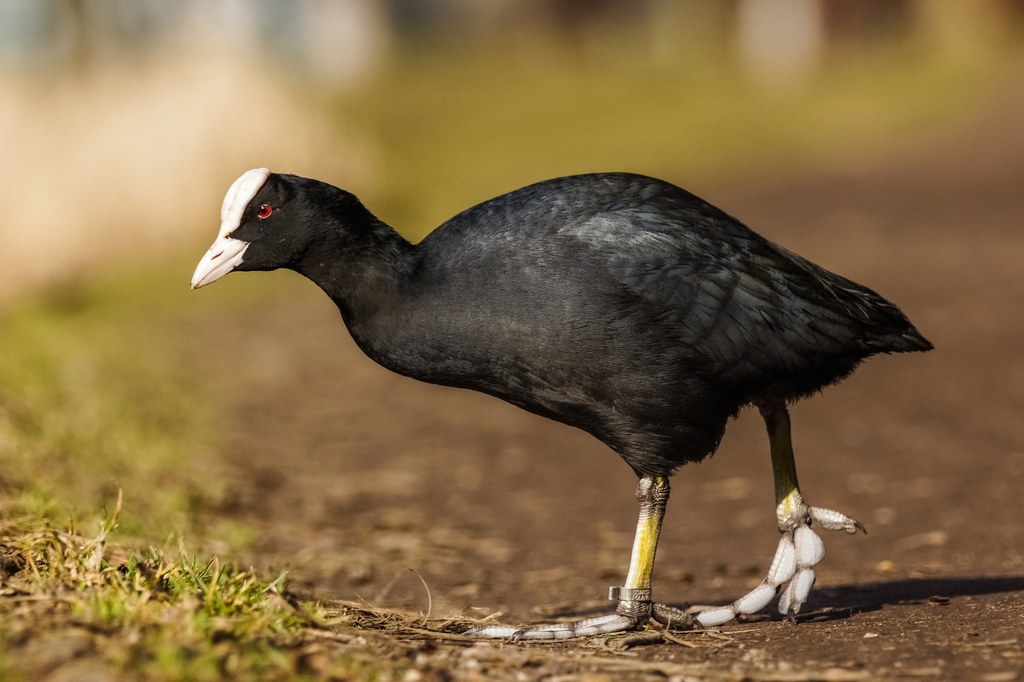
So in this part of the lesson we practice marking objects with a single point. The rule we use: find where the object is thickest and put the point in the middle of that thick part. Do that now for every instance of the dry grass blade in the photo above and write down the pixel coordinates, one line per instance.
(366, 617)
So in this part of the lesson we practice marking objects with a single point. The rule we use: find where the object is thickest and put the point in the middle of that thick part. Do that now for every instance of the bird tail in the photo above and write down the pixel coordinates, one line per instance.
(910, 341)
(900, 337)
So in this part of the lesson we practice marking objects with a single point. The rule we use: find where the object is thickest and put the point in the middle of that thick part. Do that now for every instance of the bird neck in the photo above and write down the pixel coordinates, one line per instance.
(361, 263)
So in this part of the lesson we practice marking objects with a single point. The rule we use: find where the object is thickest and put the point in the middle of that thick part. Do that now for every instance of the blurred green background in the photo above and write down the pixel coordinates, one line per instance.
(123, 122)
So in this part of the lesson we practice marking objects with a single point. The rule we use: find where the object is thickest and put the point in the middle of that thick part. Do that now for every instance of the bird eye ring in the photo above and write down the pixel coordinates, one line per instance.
(264, 211)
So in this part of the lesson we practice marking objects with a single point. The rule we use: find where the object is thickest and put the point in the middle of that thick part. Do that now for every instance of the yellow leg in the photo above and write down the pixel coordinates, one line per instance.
(652, 494)
(634, 597)
(635, 606)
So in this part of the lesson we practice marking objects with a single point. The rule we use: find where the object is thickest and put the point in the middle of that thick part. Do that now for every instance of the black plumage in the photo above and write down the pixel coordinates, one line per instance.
(616, 303)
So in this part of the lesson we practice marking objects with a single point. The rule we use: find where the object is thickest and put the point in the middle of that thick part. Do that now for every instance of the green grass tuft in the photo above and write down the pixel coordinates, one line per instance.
(161, 613)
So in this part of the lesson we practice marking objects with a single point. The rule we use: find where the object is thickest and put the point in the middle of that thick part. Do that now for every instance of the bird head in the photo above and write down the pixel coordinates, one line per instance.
(259, 230)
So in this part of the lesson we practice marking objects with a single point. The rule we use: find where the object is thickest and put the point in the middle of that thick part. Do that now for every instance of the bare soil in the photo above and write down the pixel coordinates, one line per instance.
(372, 488)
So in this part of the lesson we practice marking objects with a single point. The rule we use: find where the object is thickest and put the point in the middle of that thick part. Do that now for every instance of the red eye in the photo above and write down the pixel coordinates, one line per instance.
(264, 211)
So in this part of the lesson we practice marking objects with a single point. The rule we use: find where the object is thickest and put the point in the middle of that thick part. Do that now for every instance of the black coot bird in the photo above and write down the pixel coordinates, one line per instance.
(615, 303)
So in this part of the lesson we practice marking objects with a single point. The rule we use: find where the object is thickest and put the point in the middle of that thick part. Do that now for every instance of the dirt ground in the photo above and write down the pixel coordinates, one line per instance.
(360, 482)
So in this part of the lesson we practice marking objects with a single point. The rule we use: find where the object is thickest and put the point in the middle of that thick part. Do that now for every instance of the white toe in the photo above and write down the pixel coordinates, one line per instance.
(544, 633)
(833, 520)
(493, 632)
(802, 584)
(717, 616)
(584, 628)
(783, 564)
(786, 599)
(810, 550)
(603, 625)
(756, 599)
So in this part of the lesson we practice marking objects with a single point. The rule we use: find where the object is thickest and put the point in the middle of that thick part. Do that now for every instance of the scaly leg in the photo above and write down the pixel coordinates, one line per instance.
(635, 605)
(800, 548)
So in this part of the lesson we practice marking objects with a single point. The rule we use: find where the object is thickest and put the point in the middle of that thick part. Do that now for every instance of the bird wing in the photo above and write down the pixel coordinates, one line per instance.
(758, 313)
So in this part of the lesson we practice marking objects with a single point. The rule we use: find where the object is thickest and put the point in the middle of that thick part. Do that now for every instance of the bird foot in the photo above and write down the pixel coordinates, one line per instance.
(632, 614)
(792, 569)
(800, 549)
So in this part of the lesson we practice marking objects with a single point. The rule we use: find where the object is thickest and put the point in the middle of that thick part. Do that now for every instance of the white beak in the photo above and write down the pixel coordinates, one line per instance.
(223, 257)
